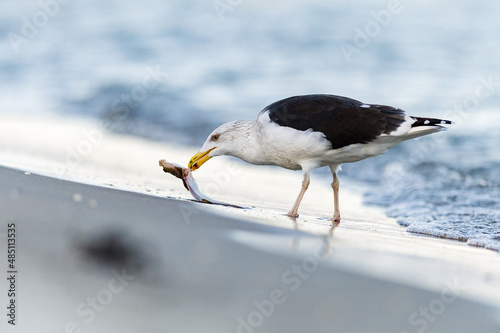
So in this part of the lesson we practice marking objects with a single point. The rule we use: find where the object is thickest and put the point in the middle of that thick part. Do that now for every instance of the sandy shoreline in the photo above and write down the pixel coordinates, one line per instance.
(224, 271)
(196, 267)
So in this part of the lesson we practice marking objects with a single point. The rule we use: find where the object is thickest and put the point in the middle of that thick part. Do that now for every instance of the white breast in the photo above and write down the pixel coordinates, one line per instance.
(288, 147)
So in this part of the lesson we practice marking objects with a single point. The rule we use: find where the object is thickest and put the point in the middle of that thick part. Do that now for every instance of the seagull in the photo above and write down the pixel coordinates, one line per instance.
(312, 131)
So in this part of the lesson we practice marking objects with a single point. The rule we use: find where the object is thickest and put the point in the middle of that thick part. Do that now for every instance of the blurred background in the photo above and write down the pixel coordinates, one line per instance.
(172, 71)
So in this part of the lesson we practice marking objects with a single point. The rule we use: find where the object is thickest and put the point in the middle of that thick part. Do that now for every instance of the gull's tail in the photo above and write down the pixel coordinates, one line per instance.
(430, 122)
(424, 126)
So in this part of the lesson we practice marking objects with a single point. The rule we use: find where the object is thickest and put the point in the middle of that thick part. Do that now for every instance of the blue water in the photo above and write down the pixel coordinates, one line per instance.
(437, 59)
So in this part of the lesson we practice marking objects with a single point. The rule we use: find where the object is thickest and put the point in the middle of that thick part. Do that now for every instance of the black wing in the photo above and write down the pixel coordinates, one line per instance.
(341, 119)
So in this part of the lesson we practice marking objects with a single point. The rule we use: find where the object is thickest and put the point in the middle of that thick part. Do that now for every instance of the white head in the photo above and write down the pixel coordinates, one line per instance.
(228, 139)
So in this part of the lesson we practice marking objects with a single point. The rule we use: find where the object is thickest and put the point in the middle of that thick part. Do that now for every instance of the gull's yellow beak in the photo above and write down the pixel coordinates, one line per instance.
(199, 158)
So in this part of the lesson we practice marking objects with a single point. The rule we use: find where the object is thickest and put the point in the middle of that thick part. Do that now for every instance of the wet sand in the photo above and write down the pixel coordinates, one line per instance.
(123, 247)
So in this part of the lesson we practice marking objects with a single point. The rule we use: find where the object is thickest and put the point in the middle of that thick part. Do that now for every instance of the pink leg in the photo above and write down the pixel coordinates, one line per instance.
(293, 213)
(335, 186)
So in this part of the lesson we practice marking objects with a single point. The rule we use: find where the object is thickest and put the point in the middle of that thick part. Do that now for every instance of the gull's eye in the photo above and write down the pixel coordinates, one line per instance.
(215, 137)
